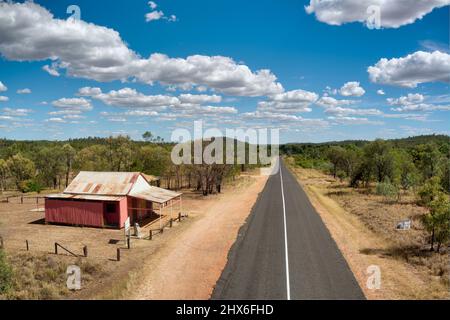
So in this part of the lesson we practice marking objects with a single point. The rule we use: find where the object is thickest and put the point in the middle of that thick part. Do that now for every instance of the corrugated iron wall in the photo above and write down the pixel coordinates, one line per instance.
(123, 211)
(85, 213)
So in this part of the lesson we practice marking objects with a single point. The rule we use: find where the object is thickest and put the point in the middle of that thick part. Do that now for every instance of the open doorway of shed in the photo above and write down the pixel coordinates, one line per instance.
(111, 214)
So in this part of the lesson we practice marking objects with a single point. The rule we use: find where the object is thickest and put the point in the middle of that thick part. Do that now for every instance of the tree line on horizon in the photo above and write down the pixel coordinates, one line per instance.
(393, 168)
(31, 166)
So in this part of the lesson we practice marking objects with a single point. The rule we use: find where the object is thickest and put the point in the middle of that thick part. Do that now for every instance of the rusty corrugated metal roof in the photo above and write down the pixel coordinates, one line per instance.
(103, 183)
(112, 186)
(84, 197)
(154, 194)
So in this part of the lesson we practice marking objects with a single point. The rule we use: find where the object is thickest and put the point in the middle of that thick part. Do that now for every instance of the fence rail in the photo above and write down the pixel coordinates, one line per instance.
(169, 224)
(57, 245)
(27, 245)
(21, 199)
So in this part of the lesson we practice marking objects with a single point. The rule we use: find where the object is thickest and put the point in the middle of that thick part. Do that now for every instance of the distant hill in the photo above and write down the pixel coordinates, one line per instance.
(410, 142)
(31, 146)
(413, 141)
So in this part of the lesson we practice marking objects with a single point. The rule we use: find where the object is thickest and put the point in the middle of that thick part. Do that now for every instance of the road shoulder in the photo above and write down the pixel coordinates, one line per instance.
(189, 265)
(399, 280)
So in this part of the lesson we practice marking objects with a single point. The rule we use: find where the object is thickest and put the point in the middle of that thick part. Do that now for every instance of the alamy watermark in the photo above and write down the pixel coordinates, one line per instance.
(372, 16)
(74, 11)
(373, 20)
(374, 277)
(233, 147)
(73, 277)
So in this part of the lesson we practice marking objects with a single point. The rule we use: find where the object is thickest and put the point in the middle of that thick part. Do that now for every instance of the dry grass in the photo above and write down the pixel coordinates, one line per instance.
(43, 277)
(39, 274)
(364, 227)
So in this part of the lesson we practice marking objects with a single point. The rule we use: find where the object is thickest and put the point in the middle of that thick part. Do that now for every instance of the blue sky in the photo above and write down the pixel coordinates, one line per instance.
(309, 58)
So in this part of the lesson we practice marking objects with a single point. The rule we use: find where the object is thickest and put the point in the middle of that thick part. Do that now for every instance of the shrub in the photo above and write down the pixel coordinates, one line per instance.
(30, 186)
(437, 221)
(429, 192)
(387, 189)
(5, 274)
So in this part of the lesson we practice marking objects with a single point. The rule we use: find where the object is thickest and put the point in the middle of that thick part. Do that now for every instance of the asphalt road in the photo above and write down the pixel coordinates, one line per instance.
(284, 251)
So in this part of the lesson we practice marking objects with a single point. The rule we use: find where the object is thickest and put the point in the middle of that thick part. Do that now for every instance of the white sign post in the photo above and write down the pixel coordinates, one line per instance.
(127, 228)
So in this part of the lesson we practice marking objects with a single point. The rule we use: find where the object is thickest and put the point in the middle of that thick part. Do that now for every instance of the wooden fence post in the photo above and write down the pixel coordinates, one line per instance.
(129, 242)
(56, 248)
(150, 235)
(118, 254)
(171, 222)
(21, 199)
(28, 247)
(85, 251)
(179, 216)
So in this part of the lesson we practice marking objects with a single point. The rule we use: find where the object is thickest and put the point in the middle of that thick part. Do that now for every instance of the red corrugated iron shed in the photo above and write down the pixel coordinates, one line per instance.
(100, 199)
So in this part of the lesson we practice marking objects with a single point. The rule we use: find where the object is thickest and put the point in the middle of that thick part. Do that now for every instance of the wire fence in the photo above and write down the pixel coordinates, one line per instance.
(15, 199)
(83, 250)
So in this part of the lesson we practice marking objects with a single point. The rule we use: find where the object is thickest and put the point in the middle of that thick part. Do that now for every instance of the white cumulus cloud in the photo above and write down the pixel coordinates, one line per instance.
(55, 120)
(158, 14)
(412, 70)
(392, 13)
(29, 32)
(339, 111)
(24, 91)
(411, 98)
(218, 72)
(17, 112)
(289, 102)
(129, 98)
(81, 104)
(352, 89)
(154, 15)
(330, 102)
(295, 96)
(137, 103)
(415, 102)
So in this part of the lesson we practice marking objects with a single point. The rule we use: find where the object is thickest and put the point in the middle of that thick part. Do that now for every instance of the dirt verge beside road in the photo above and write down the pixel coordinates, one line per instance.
(363, 247)
(183, 263)
(189, 264)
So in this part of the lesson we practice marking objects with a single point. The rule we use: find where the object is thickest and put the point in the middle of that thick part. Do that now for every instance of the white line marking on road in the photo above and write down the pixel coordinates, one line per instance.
(288, 286)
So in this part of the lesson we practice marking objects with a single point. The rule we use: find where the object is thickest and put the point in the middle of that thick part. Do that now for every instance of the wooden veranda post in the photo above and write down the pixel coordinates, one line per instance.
(160, 216)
